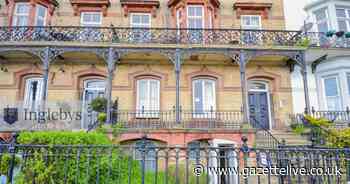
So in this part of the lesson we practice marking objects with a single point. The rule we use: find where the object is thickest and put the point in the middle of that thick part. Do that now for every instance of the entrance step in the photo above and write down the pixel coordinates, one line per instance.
(292, 139)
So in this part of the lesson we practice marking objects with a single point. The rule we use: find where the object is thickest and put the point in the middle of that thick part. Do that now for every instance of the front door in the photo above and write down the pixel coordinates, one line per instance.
(92, 90)
(259, 109)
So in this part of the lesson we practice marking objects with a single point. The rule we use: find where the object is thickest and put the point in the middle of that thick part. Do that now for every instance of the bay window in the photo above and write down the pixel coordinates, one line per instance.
(204, 98)
(332, 93)
(21, 14)
(343, 18)
(322, 20)
(148, 100)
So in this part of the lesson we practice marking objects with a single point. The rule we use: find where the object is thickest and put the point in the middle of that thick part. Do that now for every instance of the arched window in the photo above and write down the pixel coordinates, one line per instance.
(33, 92)
(148, 98)
(204, 96)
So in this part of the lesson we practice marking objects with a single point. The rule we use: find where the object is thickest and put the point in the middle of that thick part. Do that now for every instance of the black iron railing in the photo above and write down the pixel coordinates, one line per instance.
(189, 119)
(144, 164)
(152, 35)
(130, 35)
(264, 138)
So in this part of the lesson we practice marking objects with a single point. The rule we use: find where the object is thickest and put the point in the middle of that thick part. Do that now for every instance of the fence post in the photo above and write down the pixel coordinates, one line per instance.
(143, 164)
(12, 151)
(245, 151)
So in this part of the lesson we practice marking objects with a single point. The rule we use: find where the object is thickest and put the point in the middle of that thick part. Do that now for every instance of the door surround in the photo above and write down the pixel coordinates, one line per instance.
(263, 90)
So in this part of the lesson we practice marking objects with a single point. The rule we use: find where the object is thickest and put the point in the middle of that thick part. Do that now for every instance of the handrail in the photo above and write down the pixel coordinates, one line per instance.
(274, 141)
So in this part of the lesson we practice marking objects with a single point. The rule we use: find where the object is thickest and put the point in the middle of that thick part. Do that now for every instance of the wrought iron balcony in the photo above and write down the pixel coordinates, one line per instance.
(188, 120)
(152, 35)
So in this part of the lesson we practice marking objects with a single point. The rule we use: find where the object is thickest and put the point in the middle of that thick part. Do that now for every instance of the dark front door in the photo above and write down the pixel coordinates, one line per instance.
(259, 109)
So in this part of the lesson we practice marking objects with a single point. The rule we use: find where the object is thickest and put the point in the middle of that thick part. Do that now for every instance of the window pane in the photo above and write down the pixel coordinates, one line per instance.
(22, 9)
(191, 11)
(41, 11)
(198, 96)
(341, 13)
(21, 21)
(143, 93)
(209, 95)
(321, 14)
(145, 19)
(333, 103)
(342, 25)
(322, 27)
(331, 87)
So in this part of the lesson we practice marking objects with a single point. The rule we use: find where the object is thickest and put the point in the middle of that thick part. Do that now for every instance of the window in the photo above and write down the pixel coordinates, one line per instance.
(142, 20)
(148, 102)
(146, 154)
(251, 22)
(322, 22)
(195, 20)
(91, 19)
(194, 150)
(33, 92)
(195, 16)
(343, 18)
(331, 89)
(204, 98)
(40, 15)
(21, 14)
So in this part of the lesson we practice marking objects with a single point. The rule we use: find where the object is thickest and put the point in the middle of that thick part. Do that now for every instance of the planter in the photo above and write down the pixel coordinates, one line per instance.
(347, 35)
(340, 34)
(330, 33)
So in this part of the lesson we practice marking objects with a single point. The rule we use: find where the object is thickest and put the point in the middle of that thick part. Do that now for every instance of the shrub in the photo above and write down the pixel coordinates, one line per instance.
(99, 104)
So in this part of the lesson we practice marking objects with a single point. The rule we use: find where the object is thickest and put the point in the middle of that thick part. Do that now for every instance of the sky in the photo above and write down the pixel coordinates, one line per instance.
(294, 13)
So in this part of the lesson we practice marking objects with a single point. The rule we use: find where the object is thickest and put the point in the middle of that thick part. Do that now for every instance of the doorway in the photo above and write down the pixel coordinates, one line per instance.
(92, 89)
(259, 104)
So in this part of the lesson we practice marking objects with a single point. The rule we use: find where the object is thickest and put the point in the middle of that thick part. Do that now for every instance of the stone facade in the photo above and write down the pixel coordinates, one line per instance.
(67, 74)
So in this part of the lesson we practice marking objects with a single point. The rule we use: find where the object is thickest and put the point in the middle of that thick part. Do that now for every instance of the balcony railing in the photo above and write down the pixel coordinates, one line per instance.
(341, 119)
(152, 35)
(130, 35)
(188, 119)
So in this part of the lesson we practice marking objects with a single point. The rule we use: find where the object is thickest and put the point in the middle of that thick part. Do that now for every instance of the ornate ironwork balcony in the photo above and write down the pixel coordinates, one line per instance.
(152, 35)
(129, 35)
(189, 119)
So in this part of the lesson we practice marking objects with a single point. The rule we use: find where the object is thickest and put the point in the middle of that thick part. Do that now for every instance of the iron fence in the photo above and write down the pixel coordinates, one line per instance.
(189, 119)
(145, 164)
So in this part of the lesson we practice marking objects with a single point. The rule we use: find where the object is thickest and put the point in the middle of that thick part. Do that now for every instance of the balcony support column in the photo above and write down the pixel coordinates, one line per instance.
(46, 65)
(177, 65)
(304, 74)
(111, 59)
(242, 69)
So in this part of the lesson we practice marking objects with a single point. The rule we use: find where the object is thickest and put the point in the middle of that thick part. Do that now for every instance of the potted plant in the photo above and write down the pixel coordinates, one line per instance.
(347, 35)
(340, 34)
(330, 33)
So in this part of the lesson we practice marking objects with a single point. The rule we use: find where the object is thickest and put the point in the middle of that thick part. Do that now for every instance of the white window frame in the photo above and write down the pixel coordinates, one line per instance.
(27, 92)
(154, 112)
(37, 15)
(346, 19)
(338, 88)
(326, 19)
(250, 17)
(195, 17)
(207, 113)
(16, 15)
(141, 14)
(82, 23)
